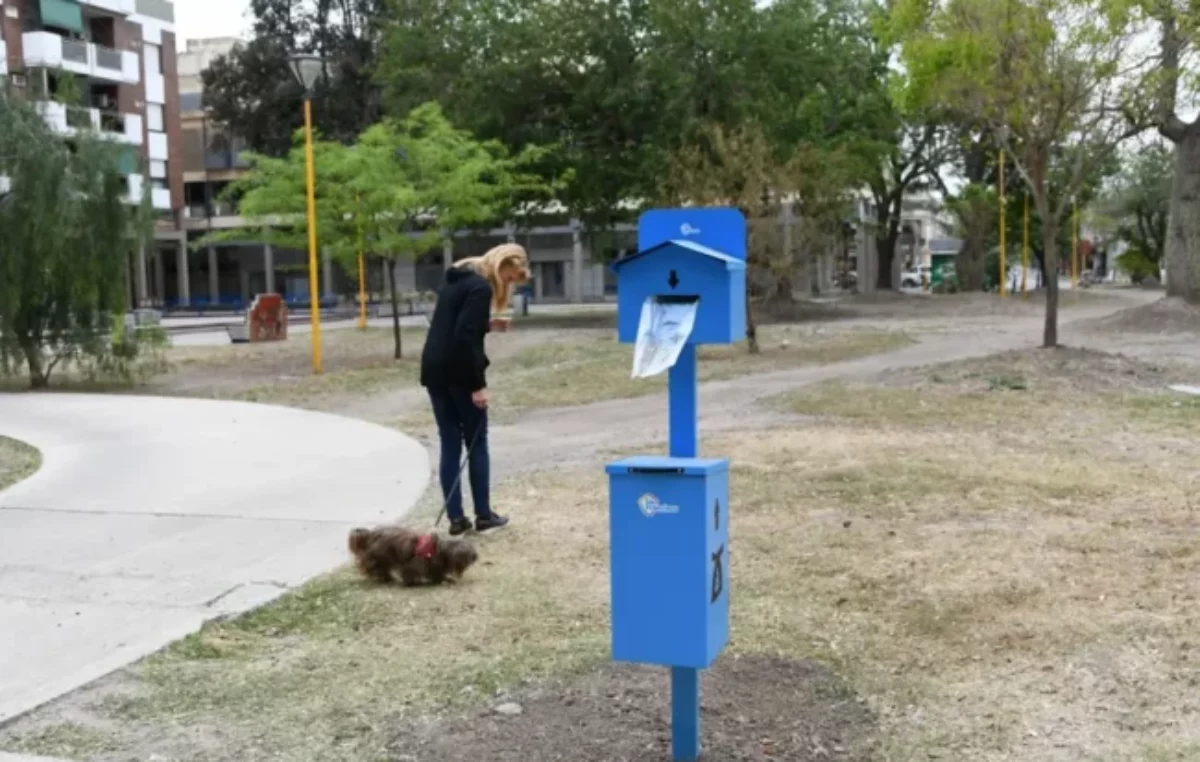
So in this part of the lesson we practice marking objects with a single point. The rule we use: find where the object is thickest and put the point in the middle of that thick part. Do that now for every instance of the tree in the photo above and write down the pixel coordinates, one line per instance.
(1138, 201)
(389, 195)
(1173, 82)
(68, 232)
(251, 91)
(1046, 78)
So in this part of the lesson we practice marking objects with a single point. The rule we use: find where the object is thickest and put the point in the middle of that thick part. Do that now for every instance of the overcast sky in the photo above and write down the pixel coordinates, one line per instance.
(197, 19)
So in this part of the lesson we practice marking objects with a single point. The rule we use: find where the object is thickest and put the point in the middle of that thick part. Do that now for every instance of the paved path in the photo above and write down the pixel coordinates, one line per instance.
(582, 435)
(150, 516)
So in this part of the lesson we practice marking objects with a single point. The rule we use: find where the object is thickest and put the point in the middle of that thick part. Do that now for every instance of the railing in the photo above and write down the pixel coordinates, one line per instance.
(75, 51)
(110, 121)
(79, 118)
(106, 58)
(224, 160)
(216, 209)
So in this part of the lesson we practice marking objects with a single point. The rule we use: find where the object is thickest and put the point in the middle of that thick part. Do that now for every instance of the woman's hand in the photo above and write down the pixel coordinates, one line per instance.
(480, 398)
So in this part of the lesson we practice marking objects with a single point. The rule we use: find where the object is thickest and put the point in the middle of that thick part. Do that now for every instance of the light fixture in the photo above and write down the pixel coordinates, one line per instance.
(307, 69)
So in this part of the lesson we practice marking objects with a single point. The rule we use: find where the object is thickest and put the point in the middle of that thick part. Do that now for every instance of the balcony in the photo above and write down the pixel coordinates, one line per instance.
(135, 183)
(219, 160)
(46, 49)
(67, 120)
(160, 198)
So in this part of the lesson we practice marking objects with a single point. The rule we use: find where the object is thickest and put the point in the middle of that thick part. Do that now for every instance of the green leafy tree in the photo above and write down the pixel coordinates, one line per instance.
(1164, 93)
(68, 232)
(389, 195)
(1139, 200)
(1046, 78)
(251, 92)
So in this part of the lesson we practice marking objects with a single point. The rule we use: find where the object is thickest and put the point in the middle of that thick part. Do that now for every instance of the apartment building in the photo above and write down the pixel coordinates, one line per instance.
(107, 66)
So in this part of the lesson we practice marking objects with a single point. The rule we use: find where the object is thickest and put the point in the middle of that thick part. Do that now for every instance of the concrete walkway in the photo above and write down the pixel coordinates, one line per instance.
(150, 516)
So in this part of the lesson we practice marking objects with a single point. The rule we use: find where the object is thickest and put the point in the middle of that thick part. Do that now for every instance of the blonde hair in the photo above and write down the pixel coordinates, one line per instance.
(490, 264)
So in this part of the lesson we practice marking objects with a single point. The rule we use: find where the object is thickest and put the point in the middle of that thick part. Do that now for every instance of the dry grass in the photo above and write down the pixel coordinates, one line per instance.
(17, 461)
(1008, 576)
(591, 367)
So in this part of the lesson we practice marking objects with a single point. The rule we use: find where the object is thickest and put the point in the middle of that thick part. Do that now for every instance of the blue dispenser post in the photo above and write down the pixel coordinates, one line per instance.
(684, 441)
(678, 503)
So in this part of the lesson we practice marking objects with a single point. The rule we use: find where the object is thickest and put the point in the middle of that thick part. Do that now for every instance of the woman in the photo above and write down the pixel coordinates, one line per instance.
(453, 367)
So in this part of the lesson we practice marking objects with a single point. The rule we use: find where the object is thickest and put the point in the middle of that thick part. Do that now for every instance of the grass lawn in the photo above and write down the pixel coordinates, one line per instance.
(999, 557)
(17, 461)
(532, 367)
(591, 367)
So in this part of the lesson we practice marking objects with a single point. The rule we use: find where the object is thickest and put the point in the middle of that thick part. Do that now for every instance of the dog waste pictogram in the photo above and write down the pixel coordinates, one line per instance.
(716, 515)
(718, 578)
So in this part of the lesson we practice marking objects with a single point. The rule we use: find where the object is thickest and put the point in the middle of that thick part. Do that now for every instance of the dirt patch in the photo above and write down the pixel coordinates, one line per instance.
(1167, 316)
(17, 461)
(752, 708)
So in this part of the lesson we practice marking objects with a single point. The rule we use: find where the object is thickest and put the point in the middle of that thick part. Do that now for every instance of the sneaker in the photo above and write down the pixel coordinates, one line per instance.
(459, 526)
(495, 521)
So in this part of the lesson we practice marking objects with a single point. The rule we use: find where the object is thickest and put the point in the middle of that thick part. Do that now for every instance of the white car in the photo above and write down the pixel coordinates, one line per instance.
(912, 278)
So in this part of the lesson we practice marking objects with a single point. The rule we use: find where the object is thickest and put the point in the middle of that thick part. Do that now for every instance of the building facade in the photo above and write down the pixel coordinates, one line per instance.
(106, 66)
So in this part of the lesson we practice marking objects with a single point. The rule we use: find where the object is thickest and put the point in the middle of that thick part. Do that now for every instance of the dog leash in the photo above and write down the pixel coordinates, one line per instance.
(461, 468)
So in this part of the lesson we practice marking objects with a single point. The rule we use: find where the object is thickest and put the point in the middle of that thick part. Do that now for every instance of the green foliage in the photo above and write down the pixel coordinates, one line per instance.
(617, 90)
(1138, 265)
(68, 232)
(391, 194)
(1046, 79)
(252, 93)
(1137, 203)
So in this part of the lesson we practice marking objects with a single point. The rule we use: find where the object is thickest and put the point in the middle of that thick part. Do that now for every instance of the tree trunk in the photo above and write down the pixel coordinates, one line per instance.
(1050, 279)
(1183, 227)
(39, 377)
(751, 329)
(977, 218)
(885, 253)
(390, 264)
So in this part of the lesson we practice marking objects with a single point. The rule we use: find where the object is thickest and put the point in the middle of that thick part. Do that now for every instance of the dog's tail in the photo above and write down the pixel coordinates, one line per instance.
(359, 539)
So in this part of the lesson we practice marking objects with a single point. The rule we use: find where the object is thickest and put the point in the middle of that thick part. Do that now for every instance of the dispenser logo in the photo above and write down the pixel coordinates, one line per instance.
(686, 229)
(651, 506)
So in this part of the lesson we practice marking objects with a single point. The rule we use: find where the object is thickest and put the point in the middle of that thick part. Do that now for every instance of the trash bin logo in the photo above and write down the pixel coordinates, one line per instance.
(651, 506)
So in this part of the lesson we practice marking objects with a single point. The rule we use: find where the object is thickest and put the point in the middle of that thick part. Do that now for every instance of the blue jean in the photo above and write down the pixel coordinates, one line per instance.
(459, 421)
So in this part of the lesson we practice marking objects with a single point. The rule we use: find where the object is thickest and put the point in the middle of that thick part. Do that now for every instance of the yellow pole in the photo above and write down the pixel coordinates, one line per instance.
(312, 239)
(1025, 246)
(1003, 241)
(362, 279)
(1074, 245)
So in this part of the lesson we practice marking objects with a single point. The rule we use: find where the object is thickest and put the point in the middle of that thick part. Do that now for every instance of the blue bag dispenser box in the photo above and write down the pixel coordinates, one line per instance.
(684, 271)
(669, 555)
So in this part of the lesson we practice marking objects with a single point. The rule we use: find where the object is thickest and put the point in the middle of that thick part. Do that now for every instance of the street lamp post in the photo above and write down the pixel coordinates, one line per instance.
(307, 69)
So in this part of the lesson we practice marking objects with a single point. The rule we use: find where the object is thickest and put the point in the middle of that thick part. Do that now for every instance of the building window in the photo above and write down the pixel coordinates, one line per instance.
(153, 59)
(154, 117)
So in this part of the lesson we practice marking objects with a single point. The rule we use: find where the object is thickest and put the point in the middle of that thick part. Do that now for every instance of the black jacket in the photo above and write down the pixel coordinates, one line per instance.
(453, 354)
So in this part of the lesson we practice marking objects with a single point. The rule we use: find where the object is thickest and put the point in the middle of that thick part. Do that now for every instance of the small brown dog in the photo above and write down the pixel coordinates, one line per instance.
(391, 553)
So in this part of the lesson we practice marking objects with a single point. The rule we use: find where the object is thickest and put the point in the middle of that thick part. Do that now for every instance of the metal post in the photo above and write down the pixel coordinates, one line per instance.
(1003, 241)
(576, 262)
(362, 275)
(140, 283)
(269, 267)
(315, 305)
(184, 277)
(214, 278)
(682, 419)
(1074, 245)
(1025, 246)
